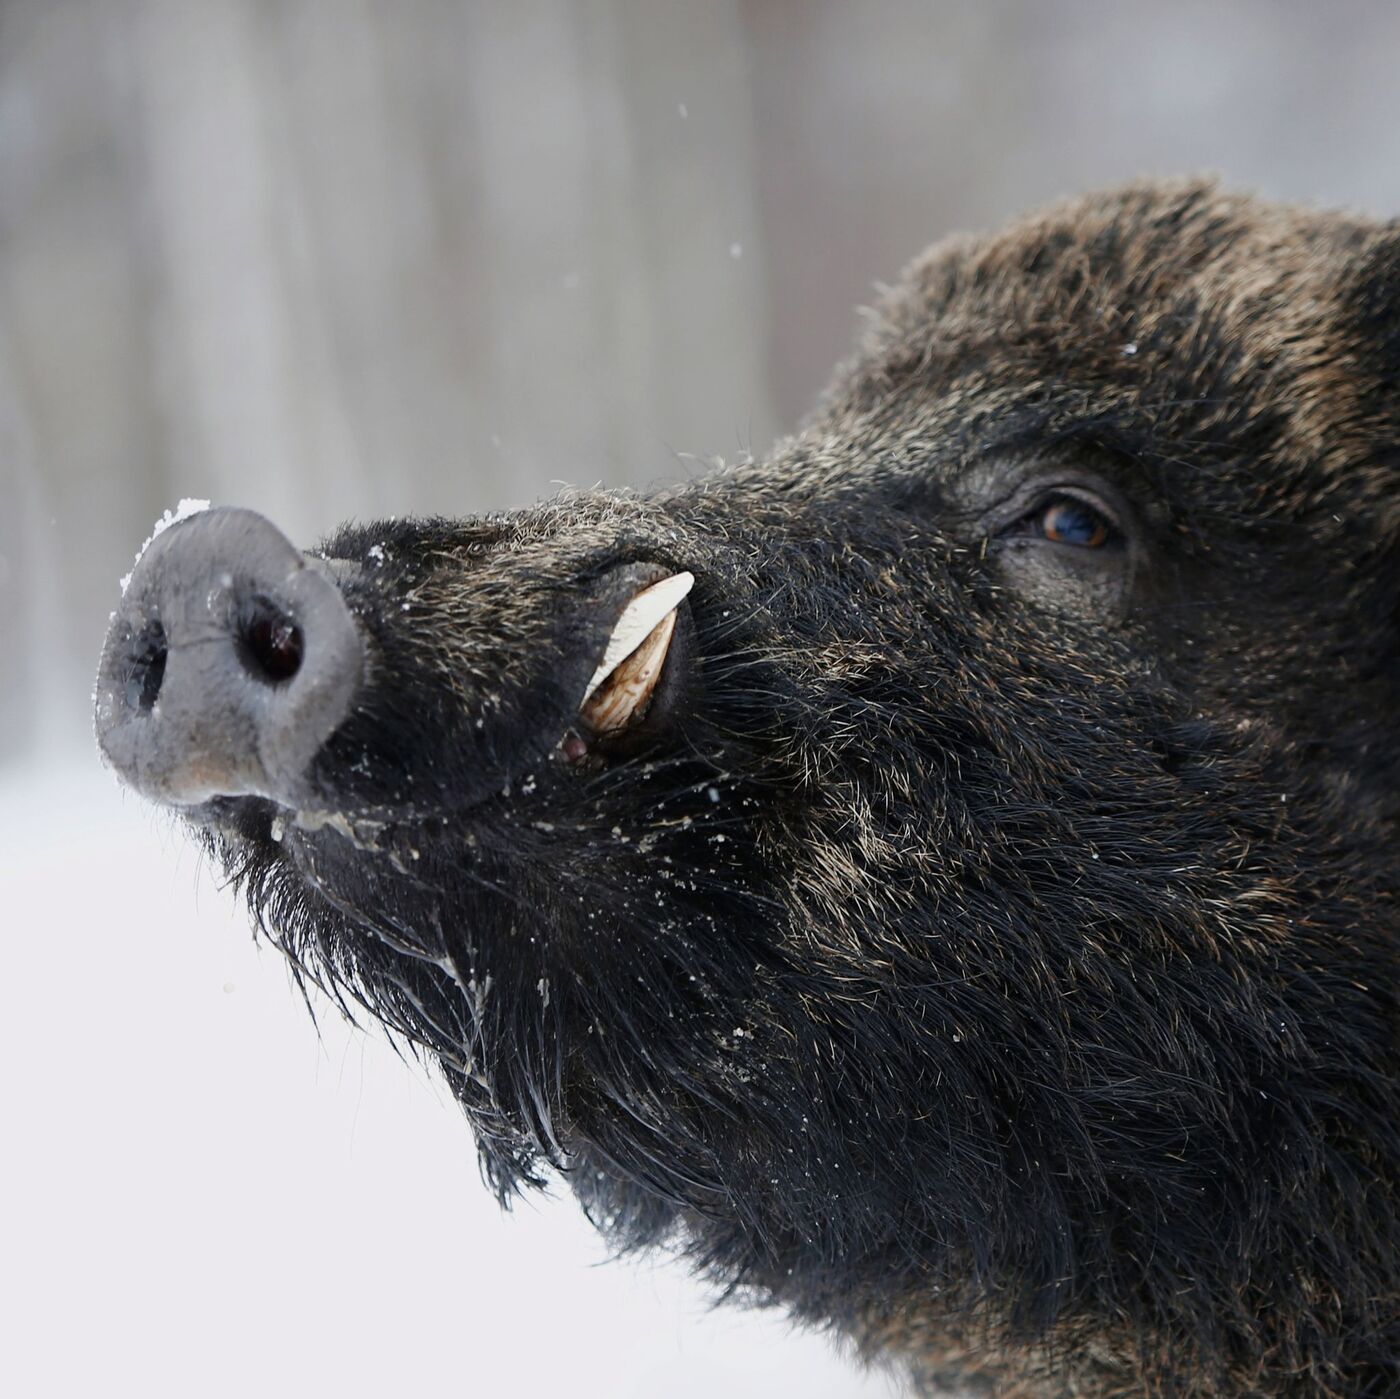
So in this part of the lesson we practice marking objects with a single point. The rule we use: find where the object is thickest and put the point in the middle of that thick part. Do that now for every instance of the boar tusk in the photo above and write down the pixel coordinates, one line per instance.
(639, 619)
(639, 642)
(626, 694)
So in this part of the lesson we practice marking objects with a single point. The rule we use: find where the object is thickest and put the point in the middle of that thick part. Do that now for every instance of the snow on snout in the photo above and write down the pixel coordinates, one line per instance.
(182, 511)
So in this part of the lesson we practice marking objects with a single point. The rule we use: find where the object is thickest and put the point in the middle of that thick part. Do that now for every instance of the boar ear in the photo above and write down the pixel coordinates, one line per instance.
(1370, 343)
(1372, 289)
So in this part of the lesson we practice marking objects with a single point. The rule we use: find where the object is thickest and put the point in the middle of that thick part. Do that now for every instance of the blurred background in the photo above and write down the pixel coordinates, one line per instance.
(340, 258)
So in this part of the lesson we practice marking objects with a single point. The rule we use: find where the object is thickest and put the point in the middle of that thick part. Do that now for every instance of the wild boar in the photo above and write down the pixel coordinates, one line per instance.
(941, 878)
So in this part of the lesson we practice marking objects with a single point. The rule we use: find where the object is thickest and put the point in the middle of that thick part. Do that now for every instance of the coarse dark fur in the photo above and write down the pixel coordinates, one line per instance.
(988, 948)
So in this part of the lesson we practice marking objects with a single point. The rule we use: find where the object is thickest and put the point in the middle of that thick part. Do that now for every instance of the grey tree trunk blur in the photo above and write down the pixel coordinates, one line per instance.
(335, 258)
(350, 260)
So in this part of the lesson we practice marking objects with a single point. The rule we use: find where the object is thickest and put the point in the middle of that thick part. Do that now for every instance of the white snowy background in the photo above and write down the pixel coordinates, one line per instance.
(202, 1196)
(344, 258)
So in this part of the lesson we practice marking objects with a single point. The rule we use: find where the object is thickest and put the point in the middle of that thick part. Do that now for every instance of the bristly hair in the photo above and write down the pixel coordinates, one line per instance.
(1009, 984)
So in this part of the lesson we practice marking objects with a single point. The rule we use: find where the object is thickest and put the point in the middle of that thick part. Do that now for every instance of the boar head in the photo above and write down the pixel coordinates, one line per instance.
(969, 919)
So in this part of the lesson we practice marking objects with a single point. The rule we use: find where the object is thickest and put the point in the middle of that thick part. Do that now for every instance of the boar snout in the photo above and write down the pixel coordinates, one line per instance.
(230, 661)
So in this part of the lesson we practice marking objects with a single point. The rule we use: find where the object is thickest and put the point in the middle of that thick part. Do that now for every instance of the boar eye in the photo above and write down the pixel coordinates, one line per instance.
(1066, 519)
(1060, 546)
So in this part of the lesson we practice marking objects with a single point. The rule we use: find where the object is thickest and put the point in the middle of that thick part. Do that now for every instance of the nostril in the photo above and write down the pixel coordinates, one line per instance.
(147, 672)
(270, 644)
